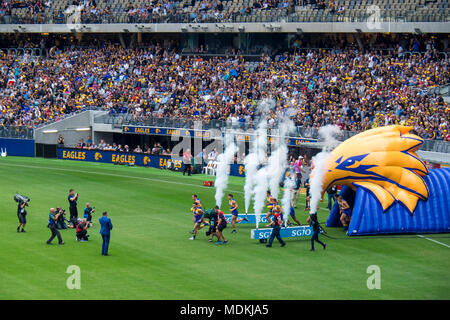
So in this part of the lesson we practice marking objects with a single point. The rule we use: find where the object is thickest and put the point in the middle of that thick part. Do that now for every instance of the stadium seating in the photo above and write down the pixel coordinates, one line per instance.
(242, 11)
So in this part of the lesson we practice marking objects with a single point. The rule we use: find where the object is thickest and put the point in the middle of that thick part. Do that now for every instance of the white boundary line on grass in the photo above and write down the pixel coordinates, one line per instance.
(117, 175)
(435, 241)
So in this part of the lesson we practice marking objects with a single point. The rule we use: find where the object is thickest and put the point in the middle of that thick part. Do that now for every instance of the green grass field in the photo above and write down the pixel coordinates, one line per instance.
(152, 258)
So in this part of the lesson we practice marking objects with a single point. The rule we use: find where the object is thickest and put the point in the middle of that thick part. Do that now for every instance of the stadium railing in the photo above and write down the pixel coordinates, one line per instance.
(18, 132)
(261, 16)
(119, 120)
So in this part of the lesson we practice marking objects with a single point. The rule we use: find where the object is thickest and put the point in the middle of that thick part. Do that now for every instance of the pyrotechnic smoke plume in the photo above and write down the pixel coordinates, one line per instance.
(224, 159)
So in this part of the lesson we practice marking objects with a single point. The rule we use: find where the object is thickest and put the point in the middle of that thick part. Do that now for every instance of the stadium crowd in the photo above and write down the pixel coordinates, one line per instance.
(354, 90)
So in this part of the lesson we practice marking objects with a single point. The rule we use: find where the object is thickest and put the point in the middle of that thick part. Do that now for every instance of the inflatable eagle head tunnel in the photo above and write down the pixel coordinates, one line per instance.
(387, 185)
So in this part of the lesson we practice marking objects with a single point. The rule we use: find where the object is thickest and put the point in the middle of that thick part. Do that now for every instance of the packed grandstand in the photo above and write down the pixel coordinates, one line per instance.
(356, 81)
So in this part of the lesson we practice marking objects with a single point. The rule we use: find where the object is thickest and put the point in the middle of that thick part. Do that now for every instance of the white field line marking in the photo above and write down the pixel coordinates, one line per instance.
(435, 241)
(116, 175)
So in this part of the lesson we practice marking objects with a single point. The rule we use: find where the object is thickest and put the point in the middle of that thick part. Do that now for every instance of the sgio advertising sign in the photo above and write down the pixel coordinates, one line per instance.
(290, 232)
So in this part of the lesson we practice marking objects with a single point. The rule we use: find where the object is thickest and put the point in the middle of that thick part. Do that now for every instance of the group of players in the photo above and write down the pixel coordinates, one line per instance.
(217, 222)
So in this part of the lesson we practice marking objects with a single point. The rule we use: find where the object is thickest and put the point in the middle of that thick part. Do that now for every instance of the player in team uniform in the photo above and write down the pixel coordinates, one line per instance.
(292, 214)
(308, 195)
(234, 212)
(346, 212)
(198, 217)
(269, 206)
(197, 200)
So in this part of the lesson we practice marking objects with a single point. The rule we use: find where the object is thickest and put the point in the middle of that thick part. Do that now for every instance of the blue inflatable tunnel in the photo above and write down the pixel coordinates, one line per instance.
(430, 216)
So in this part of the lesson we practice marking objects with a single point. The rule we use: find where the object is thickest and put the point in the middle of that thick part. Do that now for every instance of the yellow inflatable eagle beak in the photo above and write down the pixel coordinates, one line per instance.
(383, 161)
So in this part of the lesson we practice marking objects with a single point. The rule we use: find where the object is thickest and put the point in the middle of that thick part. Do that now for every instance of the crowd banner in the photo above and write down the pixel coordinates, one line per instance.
(160, 131)
(17, 147)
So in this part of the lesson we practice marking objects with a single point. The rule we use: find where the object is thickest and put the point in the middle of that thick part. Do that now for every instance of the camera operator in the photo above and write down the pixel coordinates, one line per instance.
(88, 211)
(212, 216)
(221, 225)
(73, 198)
(82, 230)
(52, 218)
(21, 214)
(61, 221)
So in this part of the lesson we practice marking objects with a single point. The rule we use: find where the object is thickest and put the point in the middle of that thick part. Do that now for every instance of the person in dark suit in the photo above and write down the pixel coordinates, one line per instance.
(312, 220)
(73, 199)
(105, 231)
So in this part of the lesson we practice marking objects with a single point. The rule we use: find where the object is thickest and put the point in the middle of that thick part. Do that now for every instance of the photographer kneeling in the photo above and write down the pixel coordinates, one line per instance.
(82, 230)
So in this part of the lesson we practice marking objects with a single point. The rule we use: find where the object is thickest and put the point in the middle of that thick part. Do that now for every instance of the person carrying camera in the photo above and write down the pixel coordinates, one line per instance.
(21, 214)
(61, 221)
(88, 211)
(73, 198)
(82, 231)
(52, 218)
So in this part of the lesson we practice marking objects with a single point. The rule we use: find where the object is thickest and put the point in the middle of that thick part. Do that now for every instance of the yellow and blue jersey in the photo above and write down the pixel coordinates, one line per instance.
(199, 202)
(235, 211)
(198, 214)
(269, 204)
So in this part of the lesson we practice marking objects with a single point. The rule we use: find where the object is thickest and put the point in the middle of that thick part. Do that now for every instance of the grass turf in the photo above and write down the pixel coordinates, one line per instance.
(152, 258)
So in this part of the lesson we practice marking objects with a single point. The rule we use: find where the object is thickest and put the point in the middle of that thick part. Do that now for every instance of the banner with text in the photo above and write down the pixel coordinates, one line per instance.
(292, 142)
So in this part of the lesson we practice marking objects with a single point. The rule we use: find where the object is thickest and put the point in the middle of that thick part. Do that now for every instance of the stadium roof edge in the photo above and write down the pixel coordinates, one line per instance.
(283, 27)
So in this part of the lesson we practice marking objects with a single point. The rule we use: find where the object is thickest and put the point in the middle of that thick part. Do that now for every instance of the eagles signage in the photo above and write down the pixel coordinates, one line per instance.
(158, 131)
(292, 142)
(137, 159)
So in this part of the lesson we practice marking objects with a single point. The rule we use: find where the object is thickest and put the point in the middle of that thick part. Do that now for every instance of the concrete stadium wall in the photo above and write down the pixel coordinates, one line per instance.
(67, 128)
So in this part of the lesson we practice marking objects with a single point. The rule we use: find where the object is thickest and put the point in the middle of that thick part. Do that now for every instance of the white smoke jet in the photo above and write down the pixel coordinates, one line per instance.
(289, 185)
(251, 168)
(328, 134)
(224, 159)
(260, 193)
(278, 160)
(257, 154)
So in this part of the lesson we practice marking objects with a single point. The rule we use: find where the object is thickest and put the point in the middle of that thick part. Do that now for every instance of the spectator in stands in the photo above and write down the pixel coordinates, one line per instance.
(354, 90)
